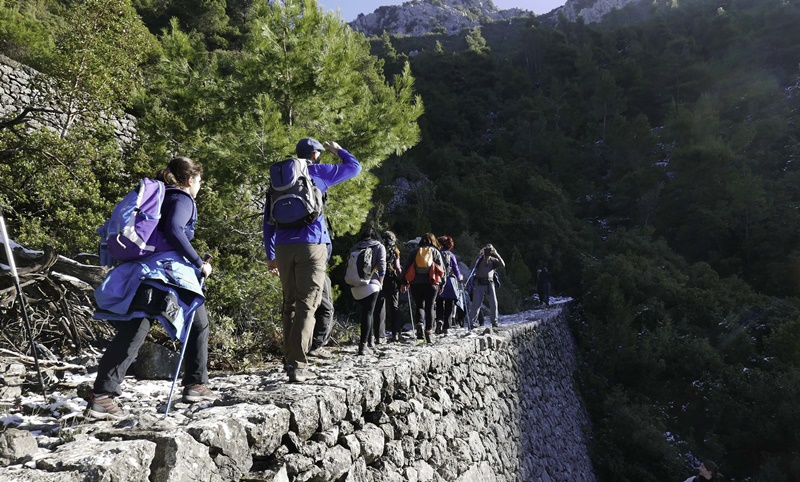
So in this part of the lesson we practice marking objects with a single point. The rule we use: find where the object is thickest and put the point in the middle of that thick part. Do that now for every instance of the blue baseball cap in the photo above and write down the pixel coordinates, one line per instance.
(306, 147)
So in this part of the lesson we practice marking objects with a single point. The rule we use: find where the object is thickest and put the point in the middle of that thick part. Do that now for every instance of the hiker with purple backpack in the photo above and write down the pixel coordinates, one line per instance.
(130, 301)
(297, 242)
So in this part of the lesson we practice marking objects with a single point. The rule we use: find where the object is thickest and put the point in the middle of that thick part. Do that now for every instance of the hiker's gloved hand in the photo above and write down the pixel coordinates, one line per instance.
(273, 267)
(332, 146)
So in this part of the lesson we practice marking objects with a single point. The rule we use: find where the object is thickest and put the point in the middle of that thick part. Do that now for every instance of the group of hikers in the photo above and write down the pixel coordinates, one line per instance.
(431, 277)
(166, 282)
(167, 285)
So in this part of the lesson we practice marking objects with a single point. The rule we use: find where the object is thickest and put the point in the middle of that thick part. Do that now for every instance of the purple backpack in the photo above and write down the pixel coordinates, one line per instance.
(129, 232)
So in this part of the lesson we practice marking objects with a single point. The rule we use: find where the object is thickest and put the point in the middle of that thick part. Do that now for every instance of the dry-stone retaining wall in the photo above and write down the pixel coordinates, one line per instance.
(491, 406)
(19, 90)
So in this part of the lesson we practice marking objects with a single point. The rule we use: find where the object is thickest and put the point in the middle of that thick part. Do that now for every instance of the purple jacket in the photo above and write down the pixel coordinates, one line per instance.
(454, 269)
(325, 176)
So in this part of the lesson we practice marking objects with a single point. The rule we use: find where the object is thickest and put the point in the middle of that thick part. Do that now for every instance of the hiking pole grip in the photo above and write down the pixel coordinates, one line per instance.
(13, 267)
(206, 257)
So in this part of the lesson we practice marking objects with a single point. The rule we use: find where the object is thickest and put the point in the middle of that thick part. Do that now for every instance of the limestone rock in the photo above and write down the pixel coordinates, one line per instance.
(24, 474)
(16, 445)
(155, 362)
(226, 438)
(124, 460)
(371, 439)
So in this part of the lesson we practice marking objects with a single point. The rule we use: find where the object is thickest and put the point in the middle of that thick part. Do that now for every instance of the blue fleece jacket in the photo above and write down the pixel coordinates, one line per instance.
(168, 271)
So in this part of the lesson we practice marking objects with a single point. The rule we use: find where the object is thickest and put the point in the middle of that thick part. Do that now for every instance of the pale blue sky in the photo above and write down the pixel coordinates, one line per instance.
(351, 8)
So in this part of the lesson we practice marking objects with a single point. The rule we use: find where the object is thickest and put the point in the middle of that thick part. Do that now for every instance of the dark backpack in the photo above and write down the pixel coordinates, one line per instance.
(391, 257)
(293, 197)
(448, 272)
(359, 266)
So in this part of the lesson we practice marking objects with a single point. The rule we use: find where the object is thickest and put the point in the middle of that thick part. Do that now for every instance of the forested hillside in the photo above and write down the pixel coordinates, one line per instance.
(650, 164)
(233, 85)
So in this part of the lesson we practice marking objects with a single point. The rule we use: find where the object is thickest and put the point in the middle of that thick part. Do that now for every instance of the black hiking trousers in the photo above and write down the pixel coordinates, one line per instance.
(367, 309)
(424, 295)
(387, 311)
(122, 351)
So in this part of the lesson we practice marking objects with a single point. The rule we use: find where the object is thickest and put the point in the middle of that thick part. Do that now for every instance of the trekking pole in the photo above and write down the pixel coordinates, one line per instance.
(410, 311)
(467, 300)
(28, 328)
(183, 346)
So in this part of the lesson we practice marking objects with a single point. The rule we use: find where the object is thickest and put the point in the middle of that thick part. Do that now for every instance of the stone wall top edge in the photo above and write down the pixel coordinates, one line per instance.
(357, 380)
(13, 63)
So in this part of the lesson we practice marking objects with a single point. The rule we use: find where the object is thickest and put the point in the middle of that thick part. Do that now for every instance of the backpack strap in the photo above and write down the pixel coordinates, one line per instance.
(170, 188)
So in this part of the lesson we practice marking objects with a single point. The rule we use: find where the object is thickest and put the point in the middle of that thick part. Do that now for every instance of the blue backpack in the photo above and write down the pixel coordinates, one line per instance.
(129, 232)
(293, 199)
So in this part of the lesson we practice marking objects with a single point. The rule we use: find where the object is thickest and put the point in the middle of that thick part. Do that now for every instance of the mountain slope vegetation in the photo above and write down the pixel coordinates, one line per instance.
(651, 165)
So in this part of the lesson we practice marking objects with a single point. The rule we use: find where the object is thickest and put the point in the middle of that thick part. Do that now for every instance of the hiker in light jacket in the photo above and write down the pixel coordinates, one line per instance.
(299, 256)
(483, 283)
(176, 228)
(367, 295)
(422, 290)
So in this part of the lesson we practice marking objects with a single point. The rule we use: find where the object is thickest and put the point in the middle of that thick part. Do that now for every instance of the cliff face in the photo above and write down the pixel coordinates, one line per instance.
(419, 17)
(592, 11)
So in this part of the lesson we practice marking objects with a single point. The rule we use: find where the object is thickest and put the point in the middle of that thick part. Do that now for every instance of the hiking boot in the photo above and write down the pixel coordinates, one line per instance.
(495, 324)
(298, 375)
(395, 338)
(198, 393)
(428, 336)
(420, 333)
(363, 349)
(320, 352)
(370, 343)
(380, 341)
(103, 407)
(439, 327)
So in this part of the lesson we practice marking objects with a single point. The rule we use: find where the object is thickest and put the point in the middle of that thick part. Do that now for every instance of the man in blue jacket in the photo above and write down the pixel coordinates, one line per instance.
(299, 256)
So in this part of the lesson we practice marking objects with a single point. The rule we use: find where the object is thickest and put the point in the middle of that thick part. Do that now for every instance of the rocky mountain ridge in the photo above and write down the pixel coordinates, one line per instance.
(592, 11)
(419, 17)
